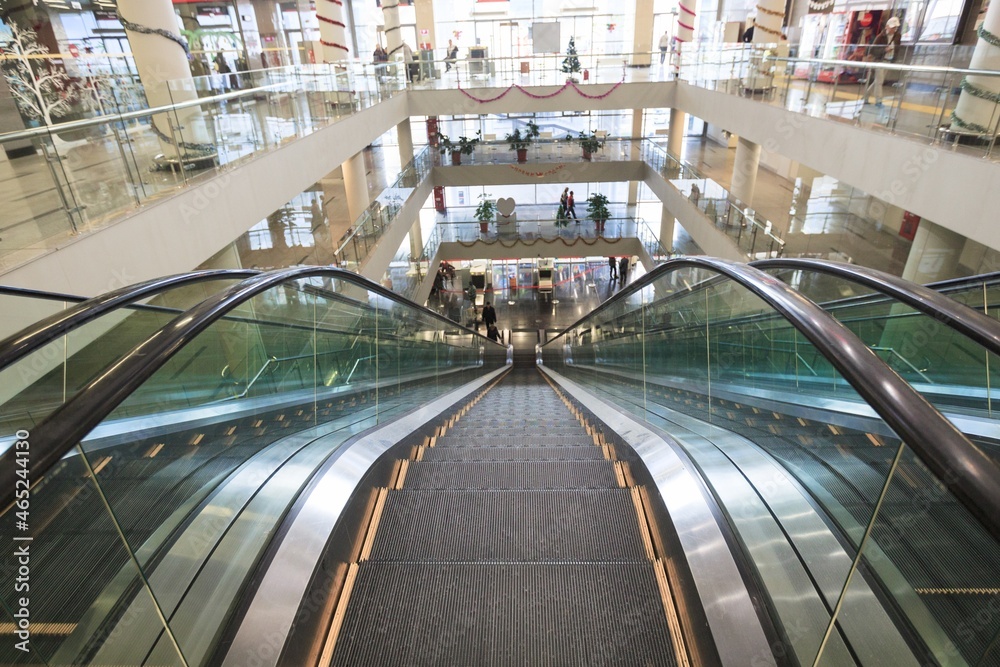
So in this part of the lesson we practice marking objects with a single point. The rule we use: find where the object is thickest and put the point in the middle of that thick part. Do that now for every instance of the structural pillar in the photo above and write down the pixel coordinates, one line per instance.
(356, 185)
(416, 241)
(393, 36)
(642, 42)
(675, 136)
(934, 255)
(332, 30)
(745, 171)
(424, 10)
(684, 32)
(667, 222)
(404, 134)
(976, 110)
(770, 18)
(160, 59)
(635, 153)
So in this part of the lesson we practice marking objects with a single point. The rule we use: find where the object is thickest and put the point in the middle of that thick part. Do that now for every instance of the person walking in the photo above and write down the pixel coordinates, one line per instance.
(612, 269)
(564, 199)
(884, 49)
(664, 45)
(493, 333)
(571, 207)
(623, 271)
(408, 62)
(489, 314)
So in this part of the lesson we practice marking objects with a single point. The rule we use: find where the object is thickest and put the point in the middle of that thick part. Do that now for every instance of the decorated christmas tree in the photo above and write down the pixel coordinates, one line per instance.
(571, 64)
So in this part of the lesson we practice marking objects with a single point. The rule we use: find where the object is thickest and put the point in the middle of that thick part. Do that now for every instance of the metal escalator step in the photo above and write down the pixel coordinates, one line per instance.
(451, 439)
(551, 453)
(520, 526)
(498, 475)
(494, 615)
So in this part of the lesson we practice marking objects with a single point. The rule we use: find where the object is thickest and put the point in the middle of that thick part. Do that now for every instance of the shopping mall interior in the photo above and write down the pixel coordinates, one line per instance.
(499, 332)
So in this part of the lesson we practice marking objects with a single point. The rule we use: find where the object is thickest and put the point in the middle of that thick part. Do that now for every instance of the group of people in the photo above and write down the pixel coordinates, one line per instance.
(445, 273)
(489, 314)
(618, 269)
(567, 206)
(381, 56)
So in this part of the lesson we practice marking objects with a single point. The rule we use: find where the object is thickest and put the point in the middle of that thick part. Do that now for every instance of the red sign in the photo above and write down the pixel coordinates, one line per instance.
(439, 198)
(865, 19)
(74, 51)
(908, 229)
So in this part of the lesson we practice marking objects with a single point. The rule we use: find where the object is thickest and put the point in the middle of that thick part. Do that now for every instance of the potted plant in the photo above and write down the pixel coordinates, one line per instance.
(571, 64)
(597, 210)
(464, 145)
(485, 212)
(520, 142)
(590, 144)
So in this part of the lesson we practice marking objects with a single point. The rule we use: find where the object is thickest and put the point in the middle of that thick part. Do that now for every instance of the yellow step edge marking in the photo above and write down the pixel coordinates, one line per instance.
(433, 441)
(40, 628)
(673, 622)
(875, 440)
(394, 474)
(627, 472)
(619, 475)
(338, 617)
(427, 441)
(945, 591)
(415, 451)
(598, 441)
(366, 551)
(643, 526)
(401, 478)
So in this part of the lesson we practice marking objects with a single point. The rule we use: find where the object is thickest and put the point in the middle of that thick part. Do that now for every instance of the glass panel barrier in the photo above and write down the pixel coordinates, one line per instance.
(39, 382)
(703, 358)
(200, 465)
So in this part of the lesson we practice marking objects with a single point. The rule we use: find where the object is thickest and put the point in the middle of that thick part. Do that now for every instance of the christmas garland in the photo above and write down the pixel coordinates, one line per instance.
(971, 127)
(567, 243)
(821, 6)
(770, 12)
(568, 84)
(335, 45)
(758, 26)
(145, 30)
(979, 91)
(536, 174)
(199, 150)
(989, 37)
(325, 19)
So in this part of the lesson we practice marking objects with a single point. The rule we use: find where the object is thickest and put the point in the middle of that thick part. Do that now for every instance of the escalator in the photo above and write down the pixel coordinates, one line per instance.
(706, 470)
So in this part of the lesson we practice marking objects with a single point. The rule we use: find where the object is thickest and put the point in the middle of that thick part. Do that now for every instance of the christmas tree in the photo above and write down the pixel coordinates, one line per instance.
(42, 91)
(571, 64)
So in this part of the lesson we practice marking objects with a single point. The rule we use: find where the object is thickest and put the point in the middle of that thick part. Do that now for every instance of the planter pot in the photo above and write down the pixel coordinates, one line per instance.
(456, 157)
(600, 226)
(484, 227)
(586, 154)
(522, 154)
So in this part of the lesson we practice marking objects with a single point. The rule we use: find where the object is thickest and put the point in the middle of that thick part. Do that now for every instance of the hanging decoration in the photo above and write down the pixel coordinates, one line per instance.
(547, 241)
(821, 5)
(144, 30)
(978, 91)
(568, 84)
(612, 26)
(536, 174)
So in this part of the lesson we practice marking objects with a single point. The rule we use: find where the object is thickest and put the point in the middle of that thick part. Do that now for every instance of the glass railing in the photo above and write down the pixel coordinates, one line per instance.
(754, 236)
(101, 168)
(916, 95)
(39, 382)
(706, 358)
(367, 230)
(143, 535)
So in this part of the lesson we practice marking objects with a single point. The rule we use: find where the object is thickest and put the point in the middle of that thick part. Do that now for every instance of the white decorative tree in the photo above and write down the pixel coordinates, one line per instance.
(40, 90)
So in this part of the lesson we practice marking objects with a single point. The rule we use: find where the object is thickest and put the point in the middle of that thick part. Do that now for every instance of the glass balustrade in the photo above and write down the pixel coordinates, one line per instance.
(707, 360)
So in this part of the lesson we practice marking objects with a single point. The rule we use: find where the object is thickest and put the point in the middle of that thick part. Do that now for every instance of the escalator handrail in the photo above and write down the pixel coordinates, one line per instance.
(964, 468)
(8, 290)
(44, 331)
(60, 432)
(975, 325)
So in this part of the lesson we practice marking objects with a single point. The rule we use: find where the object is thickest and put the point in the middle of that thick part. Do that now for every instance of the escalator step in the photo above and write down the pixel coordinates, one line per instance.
(553, 453)
(527, 439)
(479, 614)
(520, 526)
(511, 475)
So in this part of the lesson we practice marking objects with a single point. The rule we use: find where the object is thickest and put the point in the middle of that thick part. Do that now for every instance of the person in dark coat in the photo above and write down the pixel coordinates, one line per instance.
(612, 268)
(623, 270)
(489, 314)
(493, 333)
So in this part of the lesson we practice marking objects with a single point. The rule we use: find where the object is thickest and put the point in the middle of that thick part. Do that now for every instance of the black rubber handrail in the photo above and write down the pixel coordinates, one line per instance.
(44, 331)
(39, 294)
(70, 423)
(975, 325)
(964, 468)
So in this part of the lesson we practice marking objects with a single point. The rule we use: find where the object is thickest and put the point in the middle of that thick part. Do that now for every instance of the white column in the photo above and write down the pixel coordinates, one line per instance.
(635, 154)
(684, 32)
(934, 255)
(332, 30)
(416, 240)
(667, 229)
(393, 37)
(675, 136)
(974, 113)
(767, 25)
(745, 171)
(405, 135)
(642, 42)
(424, 10)
(356, 185)
(160, 60)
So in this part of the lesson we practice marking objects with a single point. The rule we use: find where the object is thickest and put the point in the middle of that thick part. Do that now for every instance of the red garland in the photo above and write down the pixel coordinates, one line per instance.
(334, 44)
(336, 2)
(328, 20)
(685, 9)
(685, 25)
(566, 85)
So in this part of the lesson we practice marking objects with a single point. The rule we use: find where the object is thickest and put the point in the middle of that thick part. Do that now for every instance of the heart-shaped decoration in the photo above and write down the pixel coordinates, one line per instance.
(505, 206)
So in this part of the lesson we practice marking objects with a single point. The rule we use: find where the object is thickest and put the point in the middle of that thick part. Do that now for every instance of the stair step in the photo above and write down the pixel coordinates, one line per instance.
(508, 475)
